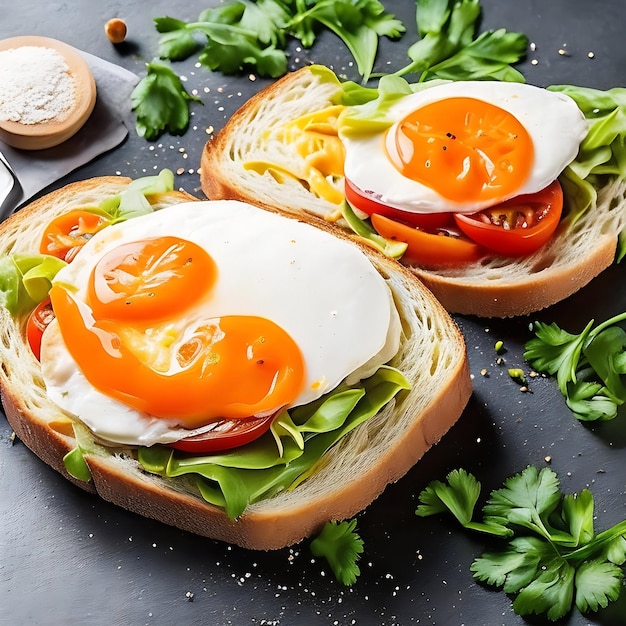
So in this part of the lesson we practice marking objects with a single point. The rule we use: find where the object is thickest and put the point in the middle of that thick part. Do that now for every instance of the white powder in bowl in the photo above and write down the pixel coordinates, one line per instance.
(36, 85)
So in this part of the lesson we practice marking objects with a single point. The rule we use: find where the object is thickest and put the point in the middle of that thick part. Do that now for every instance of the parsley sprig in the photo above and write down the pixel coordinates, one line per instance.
(254, 34)
(341, 546)
(448, 47)
(553, 558)
(589, 366)
(161, 103)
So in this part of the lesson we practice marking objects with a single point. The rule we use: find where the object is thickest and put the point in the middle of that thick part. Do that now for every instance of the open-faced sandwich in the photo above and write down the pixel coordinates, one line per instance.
(503, 198)
(224, 369)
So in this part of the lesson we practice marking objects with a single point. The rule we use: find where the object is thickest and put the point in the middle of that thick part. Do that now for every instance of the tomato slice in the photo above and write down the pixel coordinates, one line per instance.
(225, 435)
(66, 234)
(37, 322)
(518, 226)
(429, 249)
(368, 204)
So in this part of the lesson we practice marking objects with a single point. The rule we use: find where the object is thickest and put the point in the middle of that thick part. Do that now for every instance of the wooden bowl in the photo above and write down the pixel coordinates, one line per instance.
(46, 134)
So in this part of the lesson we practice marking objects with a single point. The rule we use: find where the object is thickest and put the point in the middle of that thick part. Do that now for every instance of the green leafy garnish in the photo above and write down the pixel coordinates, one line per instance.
(253, 34)
(448, 49)
(25, 279)
(602, 152)
(161, 103)
(341, 546)
(553, 558)
(358, 23)
(589, 366)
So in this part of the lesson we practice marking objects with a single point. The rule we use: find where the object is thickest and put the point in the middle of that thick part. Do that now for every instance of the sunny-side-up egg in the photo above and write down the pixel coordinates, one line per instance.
(464, 146)
(210, 310)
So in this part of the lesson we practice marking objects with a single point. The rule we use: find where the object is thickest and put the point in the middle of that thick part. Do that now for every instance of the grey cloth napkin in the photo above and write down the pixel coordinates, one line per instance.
(105, 129)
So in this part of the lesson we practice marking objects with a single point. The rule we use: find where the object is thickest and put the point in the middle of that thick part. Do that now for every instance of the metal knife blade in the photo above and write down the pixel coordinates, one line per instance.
(10, 190)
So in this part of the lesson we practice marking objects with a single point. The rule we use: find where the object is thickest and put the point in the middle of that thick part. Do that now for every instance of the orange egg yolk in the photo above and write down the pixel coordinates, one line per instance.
(201, 371)
(465, 149)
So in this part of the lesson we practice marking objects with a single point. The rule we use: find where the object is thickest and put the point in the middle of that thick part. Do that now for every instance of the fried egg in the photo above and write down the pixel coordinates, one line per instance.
(209, 310)
(465, 146)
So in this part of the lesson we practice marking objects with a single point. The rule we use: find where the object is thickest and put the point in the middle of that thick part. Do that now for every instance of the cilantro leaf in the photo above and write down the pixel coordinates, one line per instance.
(589, 402)
(527, 499)
(232, 58)
(358, 23)
(601, 354)
(341, 546)
(514, 567)
(448, 49)
(561, 562)
(176, 42)
(459, 497)
(253, 34)
(578, 515)
(589, 366)
(597, 583)
(551, 592)
(160, 102)
(615, 550)
(489, 56)
(555, 351)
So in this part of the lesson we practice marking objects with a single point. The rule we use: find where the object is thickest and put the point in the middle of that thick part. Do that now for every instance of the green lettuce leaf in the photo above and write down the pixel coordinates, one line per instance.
(262, 469)
(603, 151)
(25, 280)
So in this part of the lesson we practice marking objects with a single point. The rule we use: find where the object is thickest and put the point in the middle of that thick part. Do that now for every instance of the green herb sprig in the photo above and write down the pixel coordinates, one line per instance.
(553, 558)
(589, 366)
(448, 47)
(161, 103)
(341, 546)
(254, 34)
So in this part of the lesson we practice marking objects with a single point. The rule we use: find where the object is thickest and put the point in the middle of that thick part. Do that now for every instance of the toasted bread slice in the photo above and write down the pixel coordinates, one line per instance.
(494, 286)
(353, 473)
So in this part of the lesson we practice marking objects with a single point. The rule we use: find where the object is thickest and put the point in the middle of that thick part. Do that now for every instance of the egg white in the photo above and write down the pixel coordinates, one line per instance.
(322, 290)
(553, 120)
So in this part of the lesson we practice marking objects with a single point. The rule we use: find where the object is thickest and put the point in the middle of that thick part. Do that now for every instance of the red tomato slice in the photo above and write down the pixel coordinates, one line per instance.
(66, 234)
(225, 435)
(367, 204)
(37, 322)
(518, 226)
(428, 249)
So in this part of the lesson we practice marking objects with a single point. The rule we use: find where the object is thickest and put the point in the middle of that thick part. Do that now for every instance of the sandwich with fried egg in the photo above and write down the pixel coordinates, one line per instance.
(503, 198)
(227, 370)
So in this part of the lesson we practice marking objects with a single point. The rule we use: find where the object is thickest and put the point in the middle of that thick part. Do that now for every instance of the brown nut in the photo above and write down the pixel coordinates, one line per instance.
(115, 30)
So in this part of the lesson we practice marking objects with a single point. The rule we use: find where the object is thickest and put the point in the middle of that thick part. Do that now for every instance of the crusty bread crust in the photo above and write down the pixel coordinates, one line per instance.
(354, 472)
(492, 287)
